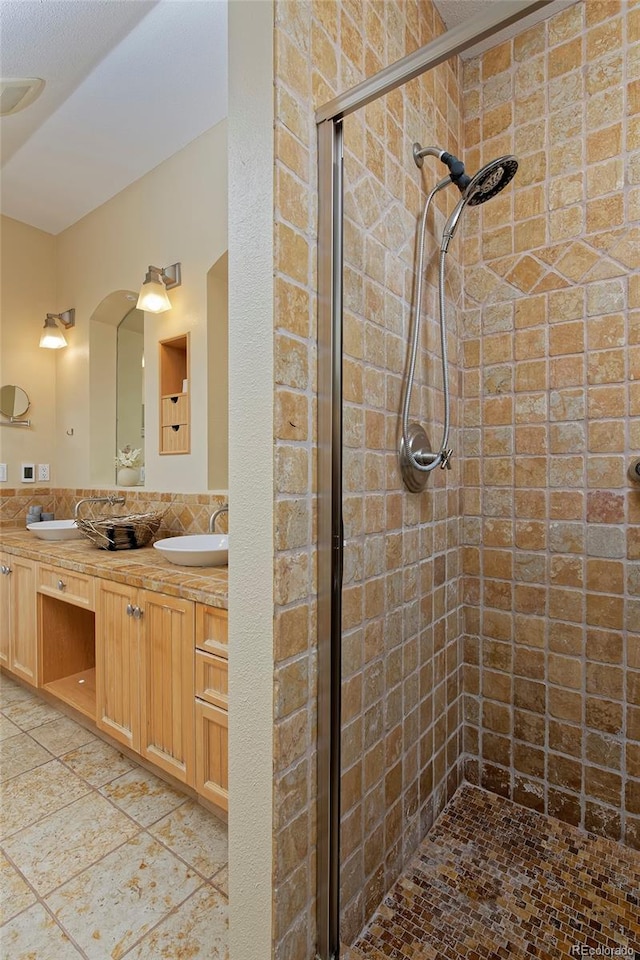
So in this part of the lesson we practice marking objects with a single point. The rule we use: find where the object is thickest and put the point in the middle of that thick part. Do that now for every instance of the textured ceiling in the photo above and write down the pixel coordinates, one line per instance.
(128, 84)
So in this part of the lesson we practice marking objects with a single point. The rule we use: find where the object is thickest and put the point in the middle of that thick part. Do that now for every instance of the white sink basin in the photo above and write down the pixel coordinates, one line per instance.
(55, 530)
(198, 550)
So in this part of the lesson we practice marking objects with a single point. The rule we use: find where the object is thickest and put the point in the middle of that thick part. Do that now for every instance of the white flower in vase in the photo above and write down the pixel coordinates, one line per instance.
(128, 462)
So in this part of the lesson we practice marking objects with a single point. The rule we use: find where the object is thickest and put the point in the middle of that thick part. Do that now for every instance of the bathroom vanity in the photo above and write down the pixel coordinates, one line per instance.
(135, 645)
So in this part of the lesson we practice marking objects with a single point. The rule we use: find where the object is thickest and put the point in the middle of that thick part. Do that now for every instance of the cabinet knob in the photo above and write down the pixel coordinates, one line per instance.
(129, 610)
(5, 570)
(137, 612)
(61, 584)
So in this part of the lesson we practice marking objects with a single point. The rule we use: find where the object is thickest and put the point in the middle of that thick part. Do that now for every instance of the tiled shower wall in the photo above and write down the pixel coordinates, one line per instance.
(401, 588)
(401, 614)
(552, 418)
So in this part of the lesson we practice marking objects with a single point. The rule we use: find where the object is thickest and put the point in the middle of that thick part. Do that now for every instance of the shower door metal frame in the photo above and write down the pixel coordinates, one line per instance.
(330, 529)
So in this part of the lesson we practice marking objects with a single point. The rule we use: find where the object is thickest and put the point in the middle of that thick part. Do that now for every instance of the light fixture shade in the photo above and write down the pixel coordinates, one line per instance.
(52, 337)
(153, 293)
(153, 297)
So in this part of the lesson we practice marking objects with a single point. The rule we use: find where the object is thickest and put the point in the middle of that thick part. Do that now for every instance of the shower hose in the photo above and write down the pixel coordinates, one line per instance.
(428, 461)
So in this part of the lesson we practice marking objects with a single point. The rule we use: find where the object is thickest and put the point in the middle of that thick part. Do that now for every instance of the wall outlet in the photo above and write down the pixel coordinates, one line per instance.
(43, 471)
(3, 473)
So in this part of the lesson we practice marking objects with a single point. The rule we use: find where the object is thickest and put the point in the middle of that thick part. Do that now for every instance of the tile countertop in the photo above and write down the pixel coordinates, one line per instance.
(140, 568)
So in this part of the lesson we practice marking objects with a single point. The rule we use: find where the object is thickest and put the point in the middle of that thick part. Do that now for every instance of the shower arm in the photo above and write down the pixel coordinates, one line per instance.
(427, 461)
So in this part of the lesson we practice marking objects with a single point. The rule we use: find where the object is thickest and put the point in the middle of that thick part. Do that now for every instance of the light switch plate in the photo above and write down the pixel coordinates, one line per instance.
(3, 473)
(43, 471)
(28, 472)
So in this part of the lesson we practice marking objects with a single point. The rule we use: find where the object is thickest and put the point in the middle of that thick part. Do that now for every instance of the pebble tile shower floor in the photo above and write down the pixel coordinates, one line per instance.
(99, 858)
(494, 880)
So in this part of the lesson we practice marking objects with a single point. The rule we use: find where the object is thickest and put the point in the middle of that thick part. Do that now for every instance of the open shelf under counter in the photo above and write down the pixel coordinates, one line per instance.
(77, 690)
(67, 653)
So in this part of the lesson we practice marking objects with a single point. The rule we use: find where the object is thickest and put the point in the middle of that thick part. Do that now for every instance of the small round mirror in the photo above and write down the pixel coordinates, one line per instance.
(14, 402)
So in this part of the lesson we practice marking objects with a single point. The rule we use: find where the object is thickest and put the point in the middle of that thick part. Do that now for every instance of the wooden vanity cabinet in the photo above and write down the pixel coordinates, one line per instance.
(150, 669)
(212, 705)
(145, 674)
(18, 617)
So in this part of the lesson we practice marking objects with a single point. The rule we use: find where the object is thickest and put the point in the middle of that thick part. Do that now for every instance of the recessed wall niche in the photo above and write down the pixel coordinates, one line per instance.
(174, 395)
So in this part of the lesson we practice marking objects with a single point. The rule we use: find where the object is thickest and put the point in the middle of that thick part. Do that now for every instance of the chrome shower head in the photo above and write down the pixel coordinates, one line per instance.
(488, 181)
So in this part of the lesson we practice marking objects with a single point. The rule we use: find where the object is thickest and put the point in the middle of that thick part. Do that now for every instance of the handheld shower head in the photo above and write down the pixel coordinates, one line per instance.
(488, 181)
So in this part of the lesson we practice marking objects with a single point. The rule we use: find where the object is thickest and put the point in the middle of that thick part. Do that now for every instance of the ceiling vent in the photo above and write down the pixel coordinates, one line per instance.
(15, 95)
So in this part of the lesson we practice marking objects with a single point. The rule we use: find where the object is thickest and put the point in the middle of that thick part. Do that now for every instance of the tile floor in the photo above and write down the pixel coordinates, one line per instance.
(99, 858)
(493, 880)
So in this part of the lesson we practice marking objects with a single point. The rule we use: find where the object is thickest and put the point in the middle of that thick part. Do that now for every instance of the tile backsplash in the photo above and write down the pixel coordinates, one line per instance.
(184, 513)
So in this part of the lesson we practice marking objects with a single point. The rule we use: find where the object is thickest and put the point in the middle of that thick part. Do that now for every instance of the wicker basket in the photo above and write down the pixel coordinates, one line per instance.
(121, 533)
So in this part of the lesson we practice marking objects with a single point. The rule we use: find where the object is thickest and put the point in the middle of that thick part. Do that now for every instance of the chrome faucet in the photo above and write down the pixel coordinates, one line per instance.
(111, 500)
(215, 515)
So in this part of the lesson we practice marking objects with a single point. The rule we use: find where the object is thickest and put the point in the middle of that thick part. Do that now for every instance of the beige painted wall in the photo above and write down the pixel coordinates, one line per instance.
(177, 212)
(251, 519)
(28, 293)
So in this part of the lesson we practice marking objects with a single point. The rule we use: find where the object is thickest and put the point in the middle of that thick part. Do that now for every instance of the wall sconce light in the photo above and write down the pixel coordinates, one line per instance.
(52, 336)
(153, 292)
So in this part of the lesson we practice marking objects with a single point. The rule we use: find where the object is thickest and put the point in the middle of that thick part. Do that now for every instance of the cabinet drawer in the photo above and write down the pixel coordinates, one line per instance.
(175, 410)
(211, 630)
(175, 439)
(212, 679)
(66, 585)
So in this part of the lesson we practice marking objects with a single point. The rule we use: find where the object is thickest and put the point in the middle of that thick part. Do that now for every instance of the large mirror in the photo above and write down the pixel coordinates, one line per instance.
(116, 360)
(129, 453)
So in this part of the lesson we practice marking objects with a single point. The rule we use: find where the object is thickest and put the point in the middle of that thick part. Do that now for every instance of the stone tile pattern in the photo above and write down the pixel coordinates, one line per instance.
(402, 589)
(401, 712)
(184, 513)
(136, 888)
(551, 358)
(494, 879)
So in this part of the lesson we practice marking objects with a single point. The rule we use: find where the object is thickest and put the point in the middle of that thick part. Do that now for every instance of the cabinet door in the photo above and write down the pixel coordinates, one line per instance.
(167, 683)
(212, 749)
(23, 619)
(5, 611)
(117, 663)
